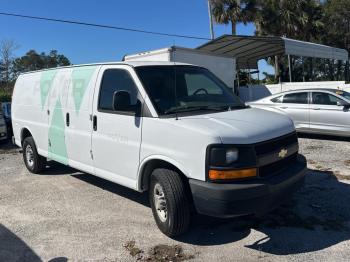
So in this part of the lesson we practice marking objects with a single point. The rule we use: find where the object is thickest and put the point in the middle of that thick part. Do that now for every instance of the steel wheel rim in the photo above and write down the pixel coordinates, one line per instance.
(160, 202)
(29, 155)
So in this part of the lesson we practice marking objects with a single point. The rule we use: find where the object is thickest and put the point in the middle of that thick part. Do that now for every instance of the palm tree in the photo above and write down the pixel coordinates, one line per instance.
(298, 19)
(233, 11)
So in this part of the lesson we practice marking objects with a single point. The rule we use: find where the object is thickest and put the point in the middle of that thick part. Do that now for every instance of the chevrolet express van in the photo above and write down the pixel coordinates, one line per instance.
(174, 130)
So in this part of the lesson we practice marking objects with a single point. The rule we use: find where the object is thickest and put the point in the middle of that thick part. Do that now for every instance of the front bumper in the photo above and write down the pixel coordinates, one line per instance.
(256, 196)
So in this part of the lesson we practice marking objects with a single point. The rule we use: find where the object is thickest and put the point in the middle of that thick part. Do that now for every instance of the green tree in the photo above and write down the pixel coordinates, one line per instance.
(337, 23)
(32, 61)
(7, 49)
(297, 19)
(234, 11)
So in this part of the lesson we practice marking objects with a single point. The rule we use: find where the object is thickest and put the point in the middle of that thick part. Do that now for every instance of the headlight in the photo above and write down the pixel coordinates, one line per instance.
(228, 162)
(231, 155)
(222, 156)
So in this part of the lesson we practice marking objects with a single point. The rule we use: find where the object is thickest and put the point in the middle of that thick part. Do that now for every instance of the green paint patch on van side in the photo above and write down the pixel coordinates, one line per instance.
(80, 81)
(46, 81)
(57, 144)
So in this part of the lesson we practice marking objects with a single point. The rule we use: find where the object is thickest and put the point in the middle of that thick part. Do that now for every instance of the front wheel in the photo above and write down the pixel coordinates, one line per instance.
(169, 202)
(34, 162)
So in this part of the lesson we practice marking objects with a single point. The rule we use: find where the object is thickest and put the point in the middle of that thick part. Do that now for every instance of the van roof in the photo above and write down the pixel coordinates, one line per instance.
(129, 63)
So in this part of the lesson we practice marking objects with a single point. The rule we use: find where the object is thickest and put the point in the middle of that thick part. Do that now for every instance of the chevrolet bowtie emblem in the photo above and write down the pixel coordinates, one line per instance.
(283, 153)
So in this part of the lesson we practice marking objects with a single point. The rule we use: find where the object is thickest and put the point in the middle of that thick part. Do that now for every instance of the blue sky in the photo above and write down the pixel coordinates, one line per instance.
(86, 45)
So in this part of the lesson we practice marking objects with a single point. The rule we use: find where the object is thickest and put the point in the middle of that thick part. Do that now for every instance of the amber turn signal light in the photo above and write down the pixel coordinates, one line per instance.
(232, 174)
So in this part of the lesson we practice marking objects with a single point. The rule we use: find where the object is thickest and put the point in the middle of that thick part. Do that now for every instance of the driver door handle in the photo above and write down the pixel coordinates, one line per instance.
(317, 108)
(67, 119)
(94, 123)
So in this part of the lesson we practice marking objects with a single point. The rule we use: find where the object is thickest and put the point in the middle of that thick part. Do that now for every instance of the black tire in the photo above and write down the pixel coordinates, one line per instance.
(178, 212)
(36, 163)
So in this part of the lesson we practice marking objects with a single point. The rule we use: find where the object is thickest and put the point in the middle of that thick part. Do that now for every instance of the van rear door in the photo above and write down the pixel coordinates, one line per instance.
(57, 102)
(78, 117)
(116, 136)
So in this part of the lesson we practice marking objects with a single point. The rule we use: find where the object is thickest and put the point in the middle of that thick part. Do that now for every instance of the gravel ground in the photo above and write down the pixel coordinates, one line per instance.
(65, 215)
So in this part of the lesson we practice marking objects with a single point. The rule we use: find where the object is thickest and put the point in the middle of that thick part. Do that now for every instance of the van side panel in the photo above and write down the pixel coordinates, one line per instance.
(29, 108)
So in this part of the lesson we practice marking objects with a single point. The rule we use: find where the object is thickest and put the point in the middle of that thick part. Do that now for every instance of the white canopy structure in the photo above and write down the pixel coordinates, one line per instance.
(249, 49)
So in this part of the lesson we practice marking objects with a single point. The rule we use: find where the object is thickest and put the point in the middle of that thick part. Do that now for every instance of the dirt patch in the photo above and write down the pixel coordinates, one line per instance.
(347, 163)
(312, 162)
(158, 253)
(133, 250)
(168, 253)
(313, 147)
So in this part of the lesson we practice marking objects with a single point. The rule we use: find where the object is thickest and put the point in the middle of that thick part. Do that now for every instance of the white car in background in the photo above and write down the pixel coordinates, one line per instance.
(319, 111)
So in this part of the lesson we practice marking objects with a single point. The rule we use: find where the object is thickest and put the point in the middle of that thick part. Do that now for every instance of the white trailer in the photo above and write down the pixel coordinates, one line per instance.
(222, 66)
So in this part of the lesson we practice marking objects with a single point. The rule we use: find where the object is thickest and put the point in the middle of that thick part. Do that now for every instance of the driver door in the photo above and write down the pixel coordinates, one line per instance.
(116, 135)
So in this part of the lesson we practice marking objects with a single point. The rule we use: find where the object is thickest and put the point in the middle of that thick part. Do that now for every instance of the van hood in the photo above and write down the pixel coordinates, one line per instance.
(245, 126)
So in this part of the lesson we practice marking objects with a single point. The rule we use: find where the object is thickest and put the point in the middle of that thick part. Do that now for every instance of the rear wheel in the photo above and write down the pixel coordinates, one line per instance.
(33, 161)
(170, 202)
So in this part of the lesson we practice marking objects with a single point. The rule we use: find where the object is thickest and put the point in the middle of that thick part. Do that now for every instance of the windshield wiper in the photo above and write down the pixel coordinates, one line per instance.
(207, 108)
(191, 108)
(231, 107)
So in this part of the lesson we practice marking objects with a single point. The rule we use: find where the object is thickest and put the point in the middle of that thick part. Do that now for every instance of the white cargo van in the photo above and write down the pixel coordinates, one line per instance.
(172, 129)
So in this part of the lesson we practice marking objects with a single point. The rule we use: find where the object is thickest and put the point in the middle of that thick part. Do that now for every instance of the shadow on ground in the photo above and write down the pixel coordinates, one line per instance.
(324, 137)
(12, 248)
(8, 147)
(317, 217)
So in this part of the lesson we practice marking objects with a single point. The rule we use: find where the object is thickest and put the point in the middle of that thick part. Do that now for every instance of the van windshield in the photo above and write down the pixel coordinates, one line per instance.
(197, 89)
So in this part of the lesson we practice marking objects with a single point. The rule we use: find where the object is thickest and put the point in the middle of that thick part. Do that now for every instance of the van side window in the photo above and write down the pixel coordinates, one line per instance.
(115, 80)
(296, 98)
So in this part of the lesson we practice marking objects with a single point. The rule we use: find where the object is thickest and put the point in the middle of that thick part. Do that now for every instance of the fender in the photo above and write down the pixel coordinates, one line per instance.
(157, 157)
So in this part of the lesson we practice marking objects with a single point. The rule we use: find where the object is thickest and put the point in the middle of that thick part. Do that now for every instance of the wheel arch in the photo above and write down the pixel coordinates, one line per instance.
(25, 132)
(151, 163)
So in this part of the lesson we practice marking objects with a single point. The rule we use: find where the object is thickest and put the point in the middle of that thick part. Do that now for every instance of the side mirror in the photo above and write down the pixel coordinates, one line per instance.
(344, 104)
(121, 101)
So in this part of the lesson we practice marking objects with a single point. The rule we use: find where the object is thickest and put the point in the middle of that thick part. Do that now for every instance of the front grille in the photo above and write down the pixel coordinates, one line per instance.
(267, 154)
(275, 144)
(278, 166)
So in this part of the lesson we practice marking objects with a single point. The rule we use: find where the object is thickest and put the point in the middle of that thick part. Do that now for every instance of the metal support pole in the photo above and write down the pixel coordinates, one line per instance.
(211, 21)
(302, 63)
(290, 69)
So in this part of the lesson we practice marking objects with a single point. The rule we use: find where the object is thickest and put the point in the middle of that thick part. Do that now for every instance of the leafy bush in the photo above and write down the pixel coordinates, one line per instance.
(5, 96)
